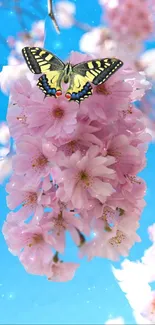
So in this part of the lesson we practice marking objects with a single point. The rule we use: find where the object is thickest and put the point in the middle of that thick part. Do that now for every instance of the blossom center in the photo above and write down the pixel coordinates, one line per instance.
(113, 152)
(58, 112)
(84, 178)
(108, 217)
(59, 223)
(40, 161)
(118, 239)
(133, 179)
(72, 145)
(128, 111)
(31, 199)
(101, 89)
(36, 239)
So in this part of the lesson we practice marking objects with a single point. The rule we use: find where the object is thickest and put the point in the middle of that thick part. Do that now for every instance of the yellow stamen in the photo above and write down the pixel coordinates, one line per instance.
(118, 239)
(30, 199)
(36, 239)
(40, 161)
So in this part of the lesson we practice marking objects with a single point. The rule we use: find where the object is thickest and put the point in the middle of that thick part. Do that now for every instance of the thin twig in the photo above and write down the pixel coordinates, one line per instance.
(20, 12)
(51, 14)
(84, 27)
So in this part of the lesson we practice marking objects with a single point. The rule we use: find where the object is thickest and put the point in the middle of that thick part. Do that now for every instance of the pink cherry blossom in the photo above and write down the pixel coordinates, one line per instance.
(17, 120)
(31, 243)
(121, 14)
(65, 11)
(80, 139)
(29, 199)
(54, 118)
(60, 271)
(24, 92)
(33, 158)
(38, 29)
(112, 242)
(83, 180)
(113, 93)
(58, 223)
(98, 41)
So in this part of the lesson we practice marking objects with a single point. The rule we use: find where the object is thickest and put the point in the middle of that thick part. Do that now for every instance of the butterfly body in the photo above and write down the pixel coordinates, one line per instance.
(80, 76)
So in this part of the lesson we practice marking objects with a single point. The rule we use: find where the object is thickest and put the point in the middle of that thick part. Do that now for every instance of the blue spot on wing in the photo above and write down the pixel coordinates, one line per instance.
(85, 91)
(73, 96)
(43, 81)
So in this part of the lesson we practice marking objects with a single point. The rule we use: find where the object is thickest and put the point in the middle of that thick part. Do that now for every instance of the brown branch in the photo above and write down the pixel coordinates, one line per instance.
(84, 27)
(20, 12)
(51, 14)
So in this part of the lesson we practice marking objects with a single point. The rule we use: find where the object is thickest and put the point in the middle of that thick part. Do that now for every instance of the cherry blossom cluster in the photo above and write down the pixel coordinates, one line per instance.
(139, 292)
(75, 171)
(126, 24)
(34, 37)
(129, 20)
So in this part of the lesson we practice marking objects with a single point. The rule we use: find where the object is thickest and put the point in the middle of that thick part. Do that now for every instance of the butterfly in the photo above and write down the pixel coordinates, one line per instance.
(79, 76)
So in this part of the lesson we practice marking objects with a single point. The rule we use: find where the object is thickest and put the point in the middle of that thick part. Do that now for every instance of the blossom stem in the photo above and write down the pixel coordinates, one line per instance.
(56, 257)
(82, 238)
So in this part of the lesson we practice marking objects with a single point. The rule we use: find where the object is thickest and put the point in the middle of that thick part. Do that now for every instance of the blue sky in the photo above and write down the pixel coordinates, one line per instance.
(93, 295)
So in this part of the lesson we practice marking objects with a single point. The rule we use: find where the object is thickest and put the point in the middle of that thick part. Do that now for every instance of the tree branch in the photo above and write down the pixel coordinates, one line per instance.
(51, 14)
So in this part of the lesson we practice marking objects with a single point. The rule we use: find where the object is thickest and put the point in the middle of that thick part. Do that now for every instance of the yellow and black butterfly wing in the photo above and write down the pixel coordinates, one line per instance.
(94, 71)
(79, 88)
(98, 71)
(41, 61)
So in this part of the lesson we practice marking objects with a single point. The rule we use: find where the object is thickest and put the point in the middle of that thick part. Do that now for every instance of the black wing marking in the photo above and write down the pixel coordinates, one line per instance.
(40, 61)
(98, 71)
